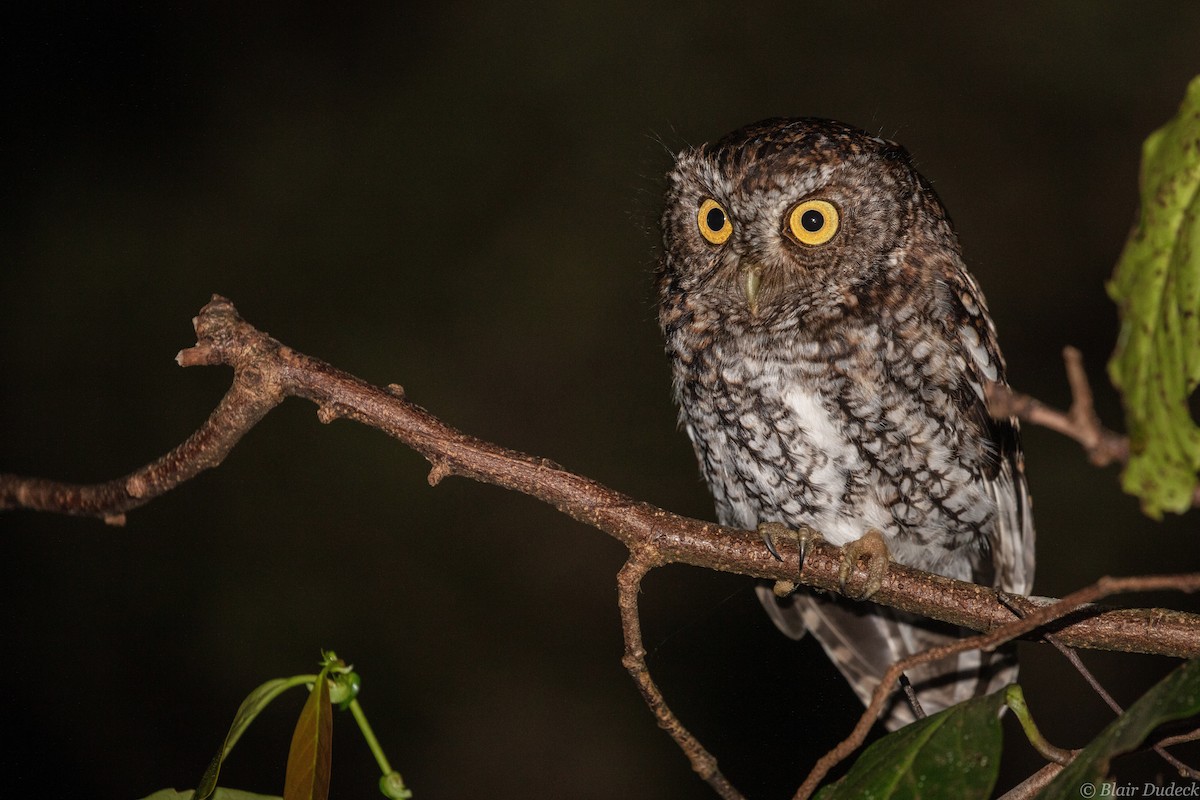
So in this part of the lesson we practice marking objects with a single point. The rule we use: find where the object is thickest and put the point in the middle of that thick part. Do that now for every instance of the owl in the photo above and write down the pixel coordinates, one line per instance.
(830, 354)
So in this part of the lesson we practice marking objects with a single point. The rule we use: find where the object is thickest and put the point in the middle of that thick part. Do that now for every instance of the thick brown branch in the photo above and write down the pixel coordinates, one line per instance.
(266, 371)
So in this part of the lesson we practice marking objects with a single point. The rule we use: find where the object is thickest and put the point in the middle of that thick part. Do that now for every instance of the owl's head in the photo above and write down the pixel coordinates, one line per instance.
(793, 218)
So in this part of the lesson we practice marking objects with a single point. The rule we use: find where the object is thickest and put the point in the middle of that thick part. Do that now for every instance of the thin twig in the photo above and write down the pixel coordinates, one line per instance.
(629, 584)
(1080, 423)
(1159, 748)
(1180, 738)
(1032, 786)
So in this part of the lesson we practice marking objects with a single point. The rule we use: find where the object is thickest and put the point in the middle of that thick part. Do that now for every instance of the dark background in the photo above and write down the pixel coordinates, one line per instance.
(461, 197)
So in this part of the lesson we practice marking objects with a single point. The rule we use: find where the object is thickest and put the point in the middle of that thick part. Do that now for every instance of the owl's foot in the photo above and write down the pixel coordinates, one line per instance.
(804, 536)
(873, 548)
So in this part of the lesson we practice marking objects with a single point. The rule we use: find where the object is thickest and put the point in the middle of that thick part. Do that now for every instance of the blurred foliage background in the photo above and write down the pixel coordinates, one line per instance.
(461, 197)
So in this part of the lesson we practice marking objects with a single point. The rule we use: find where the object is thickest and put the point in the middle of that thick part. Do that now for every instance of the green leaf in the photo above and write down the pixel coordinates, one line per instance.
(1176, 696)
(220, 794)
(1156, 286)
(254, 703)
(311, 752)
(954, 754)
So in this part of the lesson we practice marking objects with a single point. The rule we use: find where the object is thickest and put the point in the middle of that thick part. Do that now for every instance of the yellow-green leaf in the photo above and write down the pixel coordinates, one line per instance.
(220, 794)
(311, 752)
(255, 702)
(1156, 285)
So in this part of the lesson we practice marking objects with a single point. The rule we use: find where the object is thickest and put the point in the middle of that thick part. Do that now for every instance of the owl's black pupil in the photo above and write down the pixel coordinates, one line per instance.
(715, 219)
(812, 220)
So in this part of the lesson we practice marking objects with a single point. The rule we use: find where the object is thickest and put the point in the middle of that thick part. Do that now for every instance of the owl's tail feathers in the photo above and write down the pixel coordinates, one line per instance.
(864, 640)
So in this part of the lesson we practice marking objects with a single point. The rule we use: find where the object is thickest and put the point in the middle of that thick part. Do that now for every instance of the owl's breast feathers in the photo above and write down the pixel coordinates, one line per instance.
(875, 419)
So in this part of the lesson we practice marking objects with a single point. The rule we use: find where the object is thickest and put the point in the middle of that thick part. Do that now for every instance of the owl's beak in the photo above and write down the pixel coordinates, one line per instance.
(751, 281)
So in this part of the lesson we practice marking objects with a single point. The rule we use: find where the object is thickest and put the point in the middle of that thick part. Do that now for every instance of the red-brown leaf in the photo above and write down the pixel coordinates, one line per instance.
(312, 748)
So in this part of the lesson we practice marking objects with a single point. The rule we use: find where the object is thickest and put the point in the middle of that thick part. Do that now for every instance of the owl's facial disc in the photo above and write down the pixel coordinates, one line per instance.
(808, 224)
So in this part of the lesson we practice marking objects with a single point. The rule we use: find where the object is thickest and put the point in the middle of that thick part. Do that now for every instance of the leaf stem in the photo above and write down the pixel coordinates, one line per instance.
(369, 735)
(1014, 698)
(391, 784)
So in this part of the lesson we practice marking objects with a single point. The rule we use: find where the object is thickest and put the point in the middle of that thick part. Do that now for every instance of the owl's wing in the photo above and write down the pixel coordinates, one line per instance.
(1011, 540)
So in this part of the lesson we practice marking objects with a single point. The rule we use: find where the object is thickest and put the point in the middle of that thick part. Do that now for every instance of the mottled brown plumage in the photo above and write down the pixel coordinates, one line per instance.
(830, 353)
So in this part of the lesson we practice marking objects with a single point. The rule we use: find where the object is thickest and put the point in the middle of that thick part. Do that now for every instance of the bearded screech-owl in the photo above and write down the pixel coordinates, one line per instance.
(830, 354)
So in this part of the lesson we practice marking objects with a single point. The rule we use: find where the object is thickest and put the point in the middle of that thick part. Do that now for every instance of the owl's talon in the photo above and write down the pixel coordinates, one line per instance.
(770, 531)
(873, 548)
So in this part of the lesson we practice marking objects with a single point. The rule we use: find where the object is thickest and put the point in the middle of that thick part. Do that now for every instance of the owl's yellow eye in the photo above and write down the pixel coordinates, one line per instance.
(814, 222)
(714, 223)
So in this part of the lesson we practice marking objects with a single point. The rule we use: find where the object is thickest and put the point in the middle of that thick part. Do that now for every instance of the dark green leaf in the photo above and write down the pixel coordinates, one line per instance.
(1176, 696)
(954, 754)
(1156, 286)
(311, 752)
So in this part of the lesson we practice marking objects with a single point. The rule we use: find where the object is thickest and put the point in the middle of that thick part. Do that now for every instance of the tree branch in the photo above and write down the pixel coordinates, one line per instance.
(1032, 786)
(266, 372)
(1080, 422)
